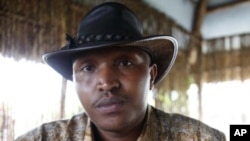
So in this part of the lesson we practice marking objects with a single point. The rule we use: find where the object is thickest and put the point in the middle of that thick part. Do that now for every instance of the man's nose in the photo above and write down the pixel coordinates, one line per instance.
(108, 79)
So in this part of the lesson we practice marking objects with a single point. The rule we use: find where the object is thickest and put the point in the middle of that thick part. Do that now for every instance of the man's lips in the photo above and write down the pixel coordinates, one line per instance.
(110, 105)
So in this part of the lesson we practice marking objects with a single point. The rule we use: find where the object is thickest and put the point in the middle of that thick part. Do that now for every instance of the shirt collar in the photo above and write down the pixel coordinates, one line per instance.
(150, 128)
(89, 136)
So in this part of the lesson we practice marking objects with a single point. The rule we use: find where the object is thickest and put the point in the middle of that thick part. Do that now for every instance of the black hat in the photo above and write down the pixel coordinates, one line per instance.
(113, 25)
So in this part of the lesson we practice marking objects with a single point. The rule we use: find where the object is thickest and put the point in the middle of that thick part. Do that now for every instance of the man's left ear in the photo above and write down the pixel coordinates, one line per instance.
(153, 73)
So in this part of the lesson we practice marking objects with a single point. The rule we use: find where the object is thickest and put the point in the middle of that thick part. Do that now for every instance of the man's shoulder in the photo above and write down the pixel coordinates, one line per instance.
(181, 126)
(56, 130)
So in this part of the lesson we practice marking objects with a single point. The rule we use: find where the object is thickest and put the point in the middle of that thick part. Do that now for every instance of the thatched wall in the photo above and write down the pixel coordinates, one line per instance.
(29, 28)
(226, 58)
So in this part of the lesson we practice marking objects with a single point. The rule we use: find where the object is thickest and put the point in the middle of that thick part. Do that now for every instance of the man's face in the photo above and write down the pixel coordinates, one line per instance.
(112, 85)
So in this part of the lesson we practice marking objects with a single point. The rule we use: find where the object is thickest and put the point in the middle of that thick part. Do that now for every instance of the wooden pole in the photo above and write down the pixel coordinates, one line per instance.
(63, 96)
(195, 54)
(3, 122)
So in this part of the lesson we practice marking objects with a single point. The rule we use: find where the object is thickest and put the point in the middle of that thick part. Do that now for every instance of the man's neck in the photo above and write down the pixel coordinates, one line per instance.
(131, 135)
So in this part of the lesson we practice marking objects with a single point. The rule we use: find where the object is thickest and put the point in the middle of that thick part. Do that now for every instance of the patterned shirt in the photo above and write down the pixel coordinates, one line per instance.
(159, 126)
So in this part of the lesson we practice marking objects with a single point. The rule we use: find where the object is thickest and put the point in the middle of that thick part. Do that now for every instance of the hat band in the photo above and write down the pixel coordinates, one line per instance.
(76, 41)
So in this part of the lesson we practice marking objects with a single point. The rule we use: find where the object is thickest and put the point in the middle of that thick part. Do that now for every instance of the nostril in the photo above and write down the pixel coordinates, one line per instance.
(108, 86)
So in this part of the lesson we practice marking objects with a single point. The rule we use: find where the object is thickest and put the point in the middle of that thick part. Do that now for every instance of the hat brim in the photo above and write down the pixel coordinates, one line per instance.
(163, 48)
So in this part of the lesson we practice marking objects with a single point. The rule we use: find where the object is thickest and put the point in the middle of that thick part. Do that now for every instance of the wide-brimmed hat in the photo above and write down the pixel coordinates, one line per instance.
(113, 25)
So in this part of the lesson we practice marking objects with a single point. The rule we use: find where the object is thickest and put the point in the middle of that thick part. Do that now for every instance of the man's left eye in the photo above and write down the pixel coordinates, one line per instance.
(125, 63)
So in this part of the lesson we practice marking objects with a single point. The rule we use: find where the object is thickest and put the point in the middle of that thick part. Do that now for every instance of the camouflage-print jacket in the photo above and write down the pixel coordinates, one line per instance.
(160, 126)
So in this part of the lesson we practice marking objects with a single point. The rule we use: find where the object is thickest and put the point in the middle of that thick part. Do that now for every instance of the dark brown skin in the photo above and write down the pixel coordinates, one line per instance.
(112, 85)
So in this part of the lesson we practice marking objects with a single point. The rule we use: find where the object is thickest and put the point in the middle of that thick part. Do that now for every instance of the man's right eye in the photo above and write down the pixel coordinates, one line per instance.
(87, 68)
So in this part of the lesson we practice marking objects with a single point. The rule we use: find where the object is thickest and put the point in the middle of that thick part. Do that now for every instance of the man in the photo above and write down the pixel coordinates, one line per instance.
(113, 68)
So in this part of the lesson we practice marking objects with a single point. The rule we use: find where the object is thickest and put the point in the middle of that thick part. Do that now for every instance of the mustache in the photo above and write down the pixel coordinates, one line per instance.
(109, 99)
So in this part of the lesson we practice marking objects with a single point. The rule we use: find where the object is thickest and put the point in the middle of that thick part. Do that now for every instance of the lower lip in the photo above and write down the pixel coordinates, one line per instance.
(112, 108)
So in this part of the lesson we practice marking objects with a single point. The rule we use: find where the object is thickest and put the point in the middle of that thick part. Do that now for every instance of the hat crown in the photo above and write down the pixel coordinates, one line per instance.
(109, 21)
